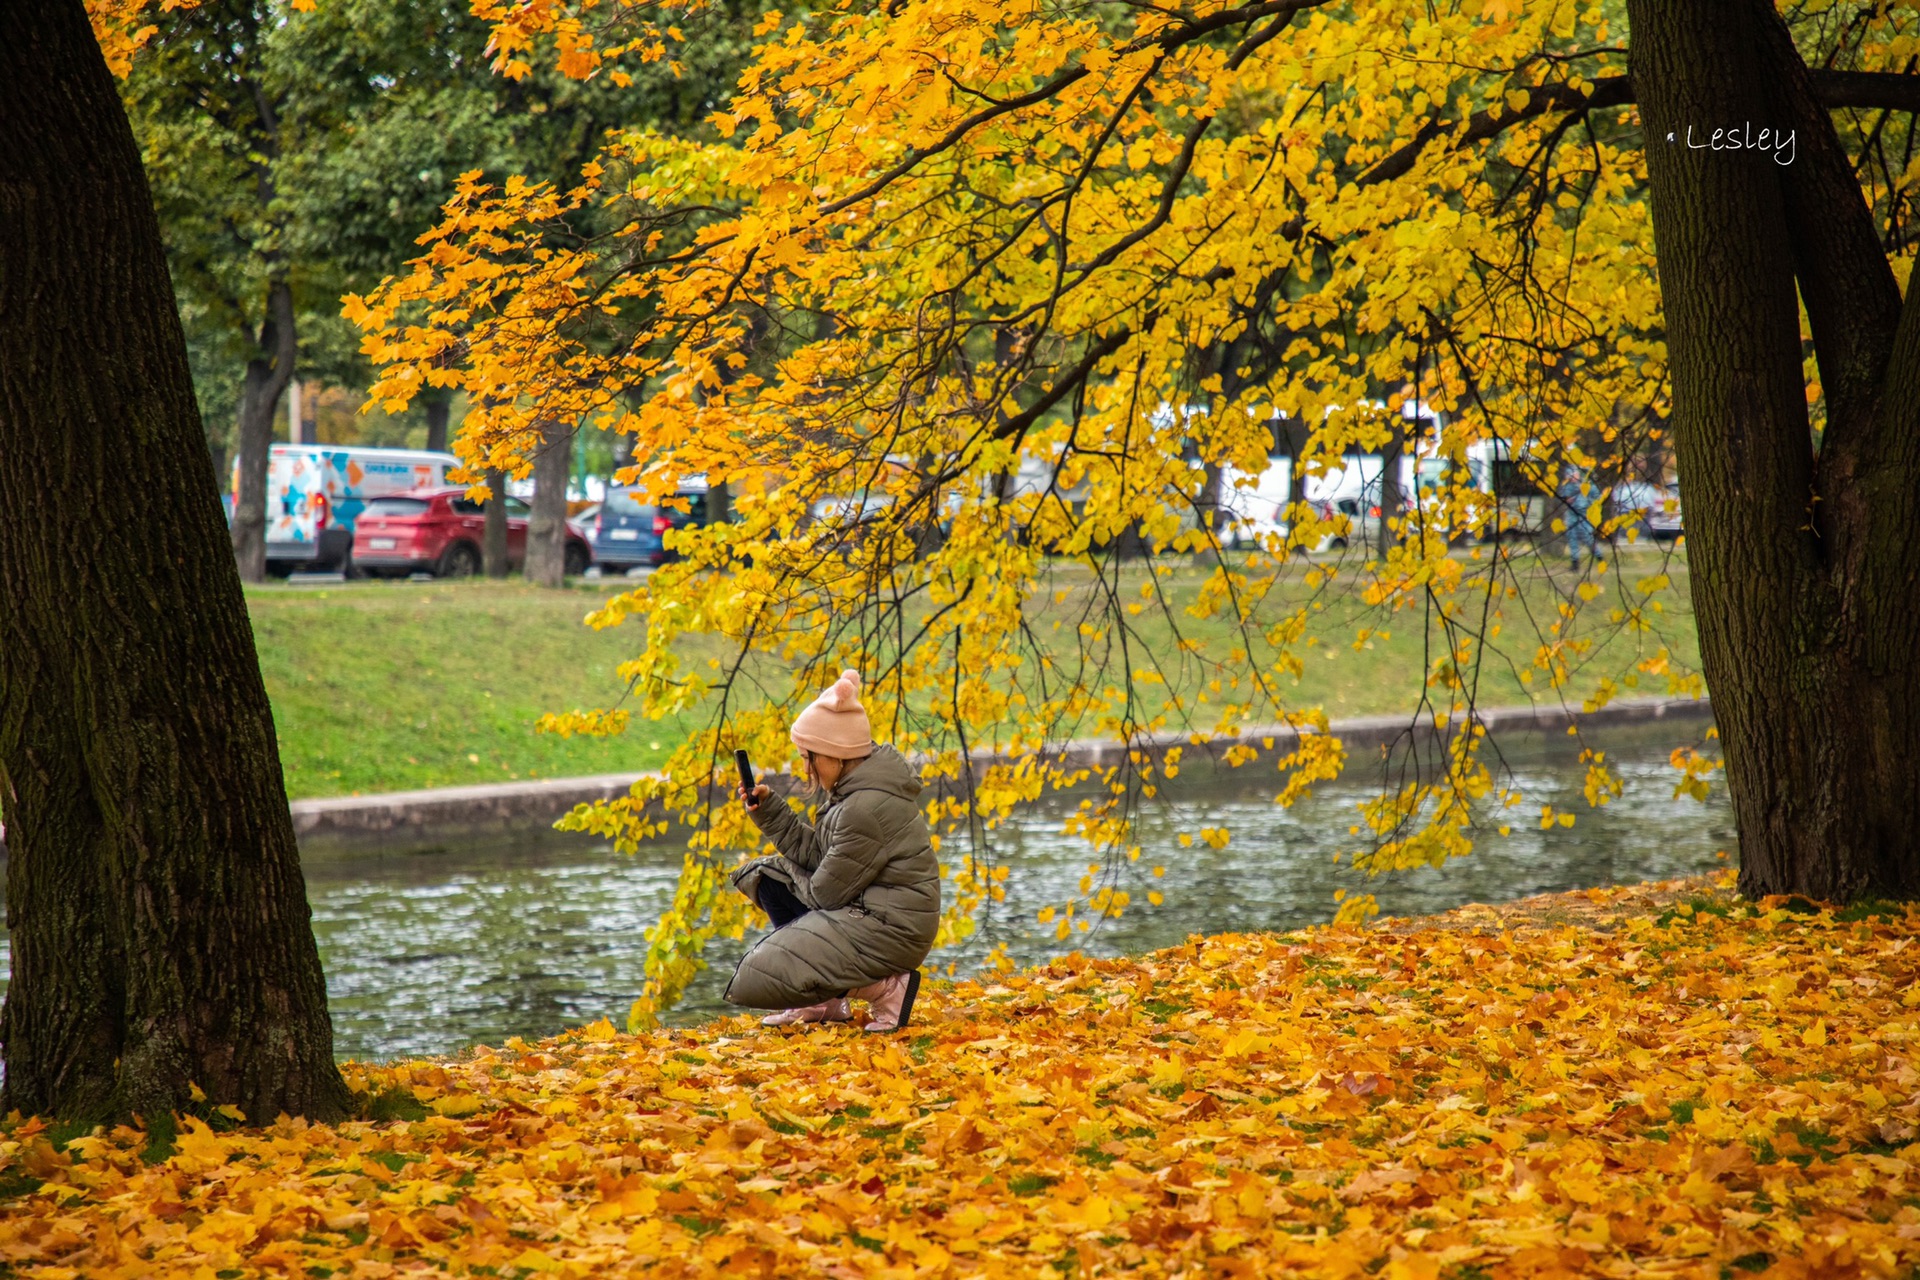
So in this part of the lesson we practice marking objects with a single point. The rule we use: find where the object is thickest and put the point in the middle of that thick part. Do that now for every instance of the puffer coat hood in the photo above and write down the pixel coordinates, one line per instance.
(866, 871)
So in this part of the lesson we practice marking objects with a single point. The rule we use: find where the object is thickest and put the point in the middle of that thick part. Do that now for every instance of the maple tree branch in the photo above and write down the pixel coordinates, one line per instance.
(1017, 425)
(1835, 89)
(1185, 33)
(1893, 90)
(1610, 91)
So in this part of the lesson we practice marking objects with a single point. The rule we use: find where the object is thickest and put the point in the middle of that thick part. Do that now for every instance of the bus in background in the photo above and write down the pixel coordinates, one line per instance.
(315, 492)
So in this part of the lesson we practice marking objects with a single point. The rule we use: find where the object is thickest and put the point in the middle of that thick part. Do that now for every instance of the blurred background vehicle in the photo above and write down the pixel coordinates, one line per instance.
(844, 512)
(316, 492)
(628, 532)
(1652, 509)
(440, 531)
(1252, 507)
(1254, 510)
(1663, 518)
(582, 520)
(1518, 492)
(848, 517)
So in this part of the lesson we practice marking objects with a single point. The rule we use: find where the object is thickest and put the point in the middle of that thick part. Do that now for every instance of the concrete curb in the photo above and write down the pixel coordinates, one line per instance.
(1378, 732)
(419, 821)
(400, 821)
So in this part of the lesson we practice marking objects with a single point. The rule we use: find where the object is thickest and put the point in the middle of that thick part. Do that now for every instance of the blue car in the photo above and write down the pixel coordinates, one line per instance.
(629, 533)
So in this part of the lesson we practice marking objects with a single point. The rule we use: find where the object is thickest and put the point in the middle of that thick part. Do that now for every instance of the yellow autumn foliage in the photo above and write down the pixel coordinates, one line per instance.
(970, 295)
(1728, 1086)
(122, 28)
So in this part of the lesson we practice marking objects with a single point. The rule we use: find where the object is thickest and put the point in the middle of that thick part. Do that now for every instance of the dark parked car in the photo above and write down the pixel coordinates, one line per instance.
(628, 532)
(440, 531)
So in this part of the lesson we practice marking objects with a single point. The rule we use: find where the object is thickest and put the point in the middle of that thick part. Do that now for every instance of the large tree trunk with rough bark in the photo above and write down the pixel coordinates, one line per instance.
(547, 522)
(268, 373)
(1805, 560)
(159, 924)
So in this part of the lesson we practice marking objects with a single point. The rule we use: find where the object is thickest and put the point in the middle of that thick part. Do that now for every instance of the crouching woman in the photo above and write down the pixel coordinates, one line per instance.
(854, 897)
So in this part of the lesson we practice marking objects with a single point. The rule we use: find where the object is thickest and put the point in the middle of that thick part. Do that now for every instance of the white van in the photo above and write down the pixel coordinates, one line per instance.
(1519, 490)
(1256, 505)
(315, 492)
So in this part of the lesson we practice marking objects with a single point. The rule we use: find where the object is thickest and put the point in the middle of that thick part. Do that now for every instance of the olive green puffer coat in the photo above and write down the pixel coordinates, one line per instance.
(866, 872)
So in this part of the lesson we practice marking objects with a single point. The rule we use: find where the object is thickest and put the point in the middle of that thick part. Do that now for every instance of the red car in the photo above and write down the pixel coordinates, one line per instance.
(440, 531)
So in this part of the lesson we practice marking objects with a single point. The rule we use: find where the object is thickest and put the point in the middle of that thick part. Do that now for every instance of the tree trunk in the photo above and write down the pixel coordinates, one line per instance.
(296, 415)
(1290, 437)
(547, 523)
(493, 546)
(1212, 492)
(268, 373)
(1805, 569)
(439, 406)
(1387, 535)
(159, 923)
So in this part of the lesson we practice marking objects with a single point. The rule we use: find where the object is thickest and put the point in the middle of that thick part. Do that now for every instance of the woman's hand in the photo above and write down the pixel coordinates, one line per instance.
(754, 800)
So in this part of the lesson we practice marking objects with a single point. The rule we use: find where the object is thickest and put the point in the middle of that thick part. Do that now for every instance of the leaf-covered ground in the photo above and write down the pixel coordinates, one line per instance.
(1717, 1089)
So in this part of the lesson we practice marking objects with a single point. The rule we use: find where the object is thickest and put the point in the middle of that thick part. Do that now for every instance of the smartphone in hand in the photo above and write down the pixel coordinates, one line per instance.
(746, 773)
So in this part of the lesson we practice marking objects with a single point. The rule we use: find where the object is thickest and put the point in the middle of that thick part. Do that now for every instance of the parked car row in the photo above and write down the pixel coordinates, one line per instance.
(316, 492)
(441, 532)
(390, 513)
(1516, 503)
(1658, 508)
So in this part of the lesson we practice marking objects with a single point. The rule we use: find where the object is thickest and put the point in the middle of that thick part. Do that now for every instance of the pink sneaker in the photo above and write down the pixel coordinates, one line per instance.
(892, 1000)
(834, 1010)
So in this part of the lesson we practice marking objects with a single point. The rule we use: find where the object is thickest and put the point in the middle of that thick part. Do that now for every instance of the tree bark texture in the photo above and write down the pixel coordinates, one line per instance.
(159, 923)
(439, 406)
(1392, 500)
(268, 373)
(547, 522)
(1290, 436)
(1805, 565)
(493, 544)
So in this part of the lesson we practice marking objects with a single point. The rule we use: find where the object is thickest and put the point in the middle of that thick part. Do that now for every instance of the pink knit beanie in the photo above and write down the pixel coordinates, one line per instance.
(836, 724)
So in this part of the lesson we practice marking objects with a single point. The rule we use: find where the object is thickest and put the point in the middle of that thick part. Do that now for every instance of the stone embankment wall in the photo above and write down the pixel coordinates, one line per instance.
(403, 821)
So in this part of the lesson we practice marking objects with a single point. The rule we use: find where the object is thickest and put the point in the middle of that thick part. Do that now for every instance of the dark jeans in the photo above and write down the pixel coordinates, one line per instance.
(779, 903)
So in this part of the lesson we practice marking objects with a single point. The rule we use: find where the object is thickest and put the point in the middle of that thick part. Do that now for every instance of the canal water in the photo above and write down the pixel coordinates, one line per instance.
(431, 952)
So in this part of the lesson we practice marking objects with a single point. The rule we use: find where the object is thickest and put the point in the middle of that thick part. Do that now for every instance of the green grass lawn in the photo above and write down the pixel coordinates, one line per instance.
(1382, 672)
(381, 686)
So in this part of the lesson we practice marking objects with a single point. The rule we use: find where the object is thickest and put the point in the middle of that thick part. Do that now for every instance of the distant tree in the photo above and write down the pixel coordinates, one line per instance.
(493, 542)
(547, 521)
(215, 121)
(297, 152)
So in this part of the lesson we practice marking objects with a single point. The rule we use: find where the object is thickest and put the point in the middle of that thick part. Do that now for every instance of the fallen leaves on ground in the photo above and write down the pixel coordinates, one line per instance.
(1717, 1090)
